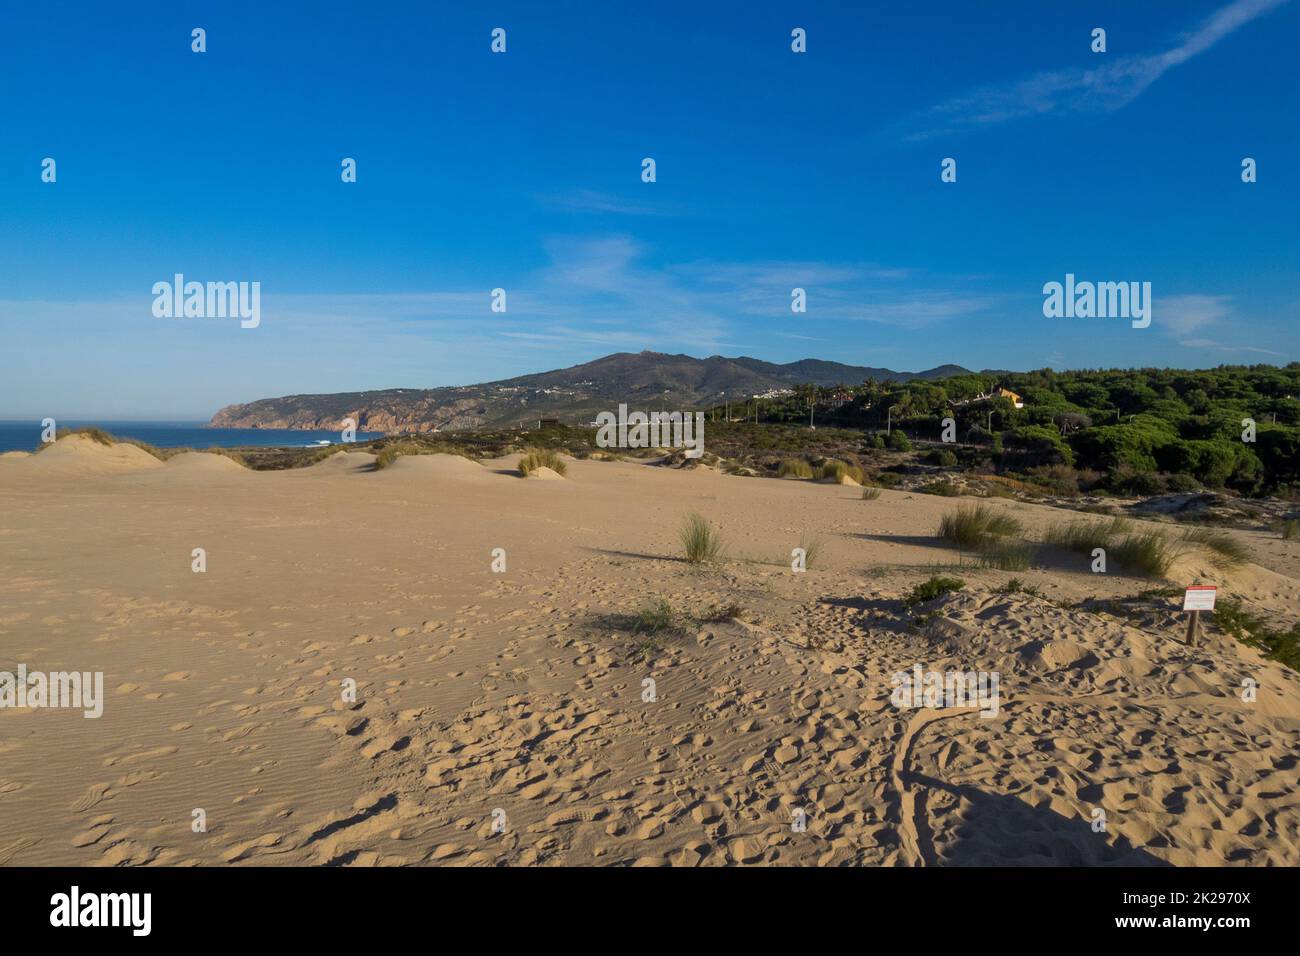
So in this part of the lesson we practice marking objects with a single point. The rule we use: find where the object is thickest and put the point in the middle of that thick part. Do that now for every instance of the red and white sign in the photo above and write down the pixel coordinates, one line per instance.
(1200, 597)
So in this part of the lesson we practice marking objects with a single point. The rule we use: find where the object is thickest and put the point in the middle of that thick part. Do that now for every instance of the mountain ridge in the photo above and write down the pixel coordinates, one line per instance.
(640, 379)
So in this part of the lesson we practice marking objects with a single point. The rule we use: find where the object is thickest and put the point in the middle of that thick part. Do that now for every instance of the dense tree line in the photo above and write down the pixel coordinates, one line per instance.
(1138, 430)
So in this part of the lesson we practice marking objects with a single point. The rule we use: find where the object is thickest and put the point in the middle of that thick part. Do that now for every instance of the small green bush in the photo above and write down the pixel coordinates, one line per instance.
(897, 441)
(931, 589)
(794, 468)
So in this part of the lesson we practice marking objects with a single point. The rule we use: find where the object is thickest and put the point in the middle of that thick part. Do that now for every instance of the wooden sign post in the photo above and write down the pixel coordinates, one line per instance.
(1197, 598)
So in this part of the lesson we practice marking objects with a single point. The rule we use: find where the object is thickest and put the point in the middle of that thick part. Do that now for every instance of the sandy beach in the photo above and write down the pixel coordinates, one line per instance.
(502, 717)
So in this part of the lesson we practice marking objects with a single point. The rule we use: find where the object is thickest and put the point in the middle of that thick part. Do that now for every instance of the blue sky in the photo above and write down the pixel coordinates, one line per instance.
(522, 171)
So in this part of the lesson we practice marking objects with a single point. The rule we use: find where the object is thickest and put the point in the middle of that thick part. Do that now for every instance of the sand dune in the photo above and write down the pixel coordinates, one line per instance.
(343, 462)
(203, 461)
(80, 455)
(505, 717)
(434, 467)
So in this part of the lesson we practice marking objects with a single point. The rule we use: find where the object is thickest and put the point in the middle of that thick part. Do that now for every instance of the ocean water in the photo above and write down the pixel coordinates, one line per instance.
(26, 435)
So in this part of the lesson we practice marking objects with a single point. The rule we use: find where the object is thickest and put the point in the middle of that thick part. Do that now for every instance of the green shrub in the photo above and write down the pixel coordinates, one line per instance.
(931, 589)
(942, 457)
(794, 468)
(897, 441)
(1251, 630)
(1016, 586)
(944, 489)
(701, 542)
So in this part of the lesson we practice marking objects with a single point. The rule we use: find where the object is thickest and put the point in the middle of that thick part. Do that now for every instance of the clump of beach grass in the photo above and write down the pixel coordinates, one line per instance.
(812, 550)
(794, 468)
(535, 458)
(1225, 550)
(1085, 536)
(835, 470)
(970, 525)
(97, 435)
(870, 494)
(1289, 529)
(701, 542)
(1005, 555)
(1148, 554)
(390, 453)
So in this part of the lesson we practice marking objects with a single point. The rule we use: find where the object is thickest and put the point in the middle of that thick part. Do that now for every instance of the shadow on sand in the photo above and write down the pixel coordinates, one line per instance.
(1000, 830)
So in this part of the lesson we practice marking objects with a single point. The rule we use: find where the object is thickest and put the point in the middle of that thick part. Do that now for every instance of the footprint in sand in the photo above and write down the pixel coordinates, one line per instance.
(95, 793)
(99, 828)
(10, 850)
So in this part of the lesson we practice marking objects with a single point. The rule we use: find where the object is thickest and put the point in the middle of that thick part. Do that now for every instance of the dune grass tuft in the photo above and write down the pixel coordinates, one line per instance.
(794, 468)
(812, 550)
(1225, 550)
(1005, 555)
(970, 525)
(90, 431)
(1148, 554)
(835, 470)
(1084, 536)
(390, 453)
(701, 542)
(870, 494)
(535, 458)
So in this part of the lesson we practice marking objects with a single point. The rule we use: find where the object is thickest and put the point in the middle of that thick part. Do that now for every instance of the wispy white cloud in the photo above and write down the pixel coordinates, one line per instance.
(1217, 346)
(1110, 86)
(600, 203)
(1181, 314)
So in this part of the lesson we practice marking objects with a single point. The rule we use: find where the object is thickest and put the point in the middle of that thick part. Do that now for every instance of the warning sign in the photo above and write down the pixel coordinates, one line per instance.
(1200, 597)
